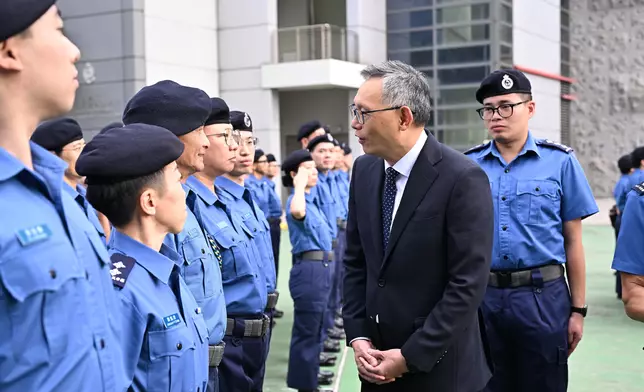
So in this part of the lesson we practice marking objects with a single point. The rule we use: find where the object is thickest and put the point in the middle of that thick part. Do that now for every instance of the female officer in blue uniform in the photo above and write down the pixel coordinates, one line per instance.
(310, 281)
(534, 320)
(164, 335)
(57, 315)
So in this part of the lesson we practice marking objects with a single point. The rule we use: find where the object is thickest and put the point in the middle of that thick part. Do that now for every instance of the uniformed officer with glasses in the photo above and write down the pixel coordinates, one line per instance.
(534, 319)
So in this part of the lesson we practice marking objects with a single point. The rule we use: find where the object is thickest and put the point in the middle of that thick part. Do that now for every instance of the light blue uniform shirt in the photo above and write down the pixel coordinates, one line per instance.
(311, 233)
(629, 251)
(543, 187)
(260, 191)
(253, 223)
(244, 287)
(201, 270)
(335, 184)
(58, 317)
(326, 201)
(274, 203)
(164, 338)
(636, 177)
(79, 195)
(621, 186)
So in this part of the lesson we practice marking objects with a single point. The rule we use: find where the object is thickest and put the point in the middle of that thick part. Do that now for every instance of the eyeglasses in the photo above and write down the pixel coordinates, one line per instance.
(229, 135)
(359, 115)
(249, 142)
(262, 161)
(504, 110)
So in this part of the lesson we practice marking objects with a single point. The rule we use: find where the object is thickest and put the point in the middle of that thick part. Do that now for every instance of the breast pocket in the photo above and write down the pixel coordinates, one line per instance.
(171, 357)
(46, 283)
(199, 264)
(537, 201)
(236, 263)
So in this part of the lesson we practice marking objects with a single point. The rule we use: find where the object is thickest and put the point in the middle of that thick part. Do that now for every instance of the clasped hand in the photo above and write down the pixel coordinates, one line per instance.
(378, 367)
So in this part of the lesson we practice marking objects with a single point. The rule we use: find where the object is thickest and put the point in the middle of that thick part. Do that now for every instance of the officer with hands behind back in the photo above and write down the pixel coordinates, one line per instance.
(534, 320)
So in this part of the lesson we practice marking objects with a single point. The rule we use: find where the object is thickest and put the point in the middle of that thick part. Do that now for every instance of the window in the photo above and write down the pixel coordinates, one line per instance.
(405, 4)
(460, 34)
(506, 33)
(462, 14)
(402, 56)
(565, 36)
(463, 75)
(422, 58)
(456, 96)
(408, 20)
(464, 55)
(565, 19)
(464, 138)
(409, 40)
(506, 13)
(459, 116)
(565, 53)
(506, 54)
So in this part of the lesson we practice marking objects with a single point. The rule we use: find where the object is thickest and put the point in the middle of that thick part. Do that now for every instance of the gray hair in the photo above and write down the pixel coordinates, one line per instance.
(403, 85)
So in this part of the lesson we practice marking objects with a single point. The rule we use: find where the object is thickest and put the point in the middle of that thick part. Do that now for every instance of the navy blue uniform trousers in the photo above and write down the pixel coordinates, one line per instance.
(276, 235)
(527, 328)
(244, 363)
(310, 284)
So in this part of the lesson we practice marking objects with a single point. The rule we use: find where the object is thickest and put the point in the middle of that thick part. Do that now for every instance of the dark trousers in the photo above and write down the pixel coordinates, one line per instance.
(338, 269)
(276, 235)
(213, 379)
(309, 284)
(617, 222)
(269, 334)
(527, 328)
(244, 363)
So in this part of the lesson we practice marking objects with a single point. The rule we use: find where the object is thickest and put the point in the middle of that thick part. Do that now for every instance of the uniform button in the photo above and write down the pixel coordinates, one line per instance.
(507, 170)
(102, 343)
(381, 283)
(504, 228)
(52, 273)
(179, 346)
(203, 251)
(537, 189)
(503, 198)
(198, 310)
(505, 257)
(255, 230)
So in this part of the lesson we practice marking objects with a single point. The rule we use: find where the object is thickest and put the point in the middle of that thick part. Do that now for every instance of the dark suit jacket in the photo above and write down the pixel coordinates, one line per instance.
(423, 292)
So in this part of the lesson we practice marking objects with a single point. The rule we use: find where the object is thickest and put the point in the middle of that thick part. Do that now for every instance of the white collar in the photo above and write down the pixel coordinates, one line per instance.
(406, 163)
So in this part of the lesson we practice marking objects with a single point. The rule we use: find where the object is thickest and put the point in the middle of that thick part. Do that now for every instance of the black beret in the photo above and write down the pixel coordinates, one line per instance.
(116, 124)
(326, 138)
(53, 135)
(169, 105)
(132, 151)
(326, 129)
(258, 154)
(307, 129)
(336, 142)
(271, 158)
(241, 121)
(17, 16)
(291, 163)
(501, 82)
(346, 149)
(219, 112)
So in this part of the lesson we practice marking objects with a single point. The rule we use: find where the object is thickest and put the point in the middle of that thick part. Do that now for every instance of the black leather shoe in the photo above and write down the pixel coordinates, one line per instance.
(331, 346)
(326, 373)
(315, 390)
(327, 360)
(324, 379)
(336, 334)
(278, 314)
(339, 323)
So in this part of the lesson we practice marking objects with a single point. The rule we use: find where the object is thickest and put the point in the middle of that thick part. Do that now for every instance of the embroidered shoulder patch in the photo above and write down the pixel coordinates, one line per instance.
(550, 143)
(477, 148)
(121, 267)
(639, 188)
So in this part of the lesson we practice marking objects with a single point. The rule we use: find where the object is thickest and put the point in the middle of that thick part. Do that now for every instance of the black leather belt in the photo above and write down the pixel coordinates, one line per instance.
(272, 301)
(317, 255)
(342, 224)
(253, 328)
(215, 354)
(505, 279)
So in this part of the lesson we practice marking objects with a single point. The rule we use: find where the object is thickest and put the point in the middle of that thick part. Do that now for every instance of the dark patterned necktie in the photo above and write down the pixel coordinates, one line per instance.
(388, 200)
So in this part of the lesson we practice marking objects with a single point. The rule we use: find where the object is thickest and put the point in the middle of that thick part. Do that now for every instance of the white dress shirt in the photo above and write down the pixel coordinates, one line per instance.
(403, 167)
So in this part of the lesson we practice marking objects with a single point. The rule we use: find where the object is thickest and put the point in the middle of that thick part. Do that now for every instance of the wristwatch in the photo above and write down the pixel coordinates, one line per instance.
(583, 310)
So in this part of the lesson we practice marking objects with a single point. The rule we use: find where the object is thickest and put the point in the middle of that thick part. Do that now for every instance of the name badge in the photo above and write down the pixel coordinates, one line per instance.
(34, 234)
(222, 225)
(246, 216)
(172, 320)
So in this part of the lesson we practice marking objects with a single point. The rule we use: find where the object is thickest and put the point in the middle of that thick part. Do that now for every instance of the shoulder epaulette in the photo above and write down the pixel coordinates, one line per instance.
(477, 148)
(639, 188)
(550, 143)
(121, 267)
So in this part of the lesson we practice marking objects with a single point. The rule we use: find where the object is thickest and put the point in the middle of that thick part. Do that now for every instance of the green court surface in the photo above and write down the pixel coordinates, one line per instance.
(610, 357)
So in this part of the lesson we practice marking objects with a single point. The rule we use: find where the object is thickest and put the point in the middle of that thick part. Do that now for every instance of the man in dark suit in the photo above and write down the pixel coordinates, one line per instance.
(419, 245)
